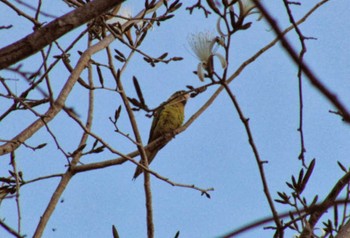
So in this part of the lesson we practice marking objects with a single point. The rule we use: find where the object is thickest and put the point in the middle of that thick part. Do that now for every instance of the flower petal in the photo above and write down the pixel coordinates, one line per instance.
(200, 72)
(222, 60)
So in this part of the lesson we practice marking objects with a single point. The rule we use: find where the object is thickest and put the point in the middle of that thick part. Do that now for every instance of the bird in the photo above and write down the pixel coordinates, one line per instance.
(167, 117)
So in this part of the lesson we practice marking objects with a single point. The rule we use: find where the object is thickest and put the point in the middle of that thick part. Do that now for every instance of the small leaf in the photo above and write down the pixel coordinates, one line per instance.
(174, 6)
(294, 182)
(117, 113)
(138, 43)
(41, 146)
(134, 102)
(290, 185)
(117, 57)
(307, 175)
(164, 18)
(213, 6)
(313, 203)
(280, 201)
(154, 15)
(12, 173)
(120, 54)
(95, 143)
(99, 73)
(165, 4)
(97, 150)
(206, 194)
(190, 87)
(232, 18)
(304, 201)
(177, 235)
(177, 58)
(163, 56)
(138, 90)
(342, 167)
(301, 174)
(246, 26)
(115, 232)
(284, 196)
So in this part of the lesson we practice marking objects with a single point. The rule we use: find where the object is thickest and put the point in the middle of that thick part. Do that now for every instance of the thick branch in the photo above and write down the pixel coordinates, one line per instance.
(46, 35)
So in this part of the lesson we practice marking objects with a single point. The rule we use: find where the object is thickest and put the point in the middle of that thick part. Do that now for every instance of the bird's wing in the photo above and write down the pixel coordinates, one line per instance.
(156, 116)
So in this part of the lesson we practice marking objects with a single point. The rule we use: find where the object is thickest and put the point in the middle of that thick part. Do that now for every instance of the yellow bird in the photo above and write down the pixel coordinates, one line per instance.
(167, 118)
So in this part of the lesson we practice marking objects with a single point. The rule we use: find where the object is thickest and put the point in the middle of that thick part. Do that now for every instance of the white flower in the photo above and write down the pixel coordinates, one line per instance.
(124, 14)
(246, 7)
(202, 45)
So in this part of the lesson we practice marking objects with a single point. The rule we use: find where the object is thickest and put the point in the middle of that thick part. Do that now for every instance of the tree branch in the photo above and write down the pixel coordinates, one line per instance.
(46, 35)
(304, 67)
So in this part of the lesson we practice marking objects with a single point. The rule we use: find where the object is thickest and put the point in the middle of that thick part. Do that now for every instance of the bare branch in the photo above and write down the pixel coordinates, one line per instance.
(317, 83)
(52, 31)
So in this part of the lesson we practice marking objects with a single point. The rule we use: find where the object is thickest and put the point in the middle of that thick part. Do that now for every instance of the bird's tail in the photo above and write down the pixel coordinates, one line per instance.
(150, 157)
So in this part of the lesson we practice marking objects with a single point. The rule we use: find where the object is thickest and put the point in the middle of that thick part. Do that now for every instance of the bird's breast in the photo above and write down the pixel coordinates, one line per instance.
(171, 118)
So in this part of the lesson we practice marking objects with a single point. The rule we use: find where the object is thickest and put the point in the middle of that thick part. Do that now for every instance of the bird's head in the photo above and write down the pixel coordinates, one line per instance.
(179, 96)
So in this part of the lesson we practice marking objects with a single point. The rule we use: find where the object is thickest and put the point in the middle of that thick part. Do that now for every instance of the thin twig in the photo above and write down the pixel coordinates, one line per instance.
(10, 230)
(17, 178)
(21, 13)
(331, 97)
(300, 82)
(259, 162)
(41, 178)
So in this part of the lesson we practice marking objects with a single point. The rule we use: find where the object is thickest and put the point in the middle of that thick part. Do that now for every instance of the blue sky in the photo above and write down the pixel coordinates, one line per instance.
(212, 152)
